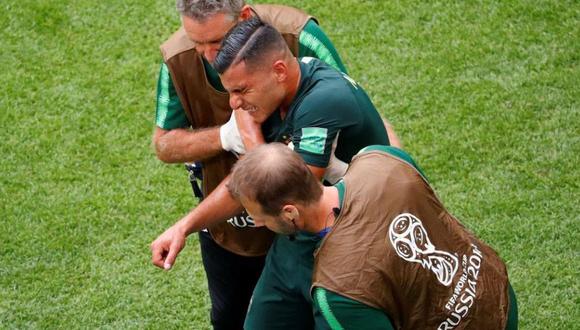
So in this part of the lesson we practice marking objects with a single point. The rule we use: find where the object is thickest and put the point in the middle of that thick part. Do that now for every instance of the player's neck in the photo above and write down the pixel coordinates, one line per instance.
(322, 212)
(292, 85)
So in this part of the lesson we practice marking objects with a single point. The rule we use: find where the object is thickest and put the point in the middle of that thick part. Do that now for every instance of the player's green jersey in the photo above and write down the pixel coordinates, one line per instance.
(313, 42)
(329, 106)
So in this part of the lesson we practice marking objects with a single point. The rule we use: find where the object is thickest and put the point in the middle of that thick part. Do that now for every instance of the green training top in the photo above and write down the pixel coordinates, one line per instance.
(328, 105)
(169, 115)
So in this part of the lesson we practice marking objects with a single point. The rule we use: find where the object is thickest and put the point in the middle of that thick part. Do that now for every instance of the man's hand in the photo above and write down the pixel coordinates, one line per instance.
(230, 136)
(167, 246)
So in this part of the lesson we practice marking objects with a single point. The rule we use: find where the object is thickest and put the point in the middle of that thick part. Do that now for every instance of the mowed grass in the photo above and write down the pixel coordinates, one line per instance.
(483, 94)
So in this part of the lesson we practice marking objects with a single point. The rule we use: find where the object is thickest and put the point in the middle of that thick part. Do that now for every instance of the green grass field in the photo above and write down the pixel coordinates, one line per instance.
(481, 93)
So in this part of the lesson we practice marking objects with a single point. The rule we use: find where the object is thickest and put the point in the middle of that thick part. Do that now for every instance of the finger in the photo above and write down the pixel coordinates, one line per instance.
(171, 256)
(157, 256)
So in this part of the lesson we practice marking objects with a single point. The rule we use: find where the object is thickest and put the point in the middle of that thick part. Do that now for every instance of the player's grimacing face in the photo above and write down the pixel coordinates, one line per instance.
(255, 90)
(208, 34)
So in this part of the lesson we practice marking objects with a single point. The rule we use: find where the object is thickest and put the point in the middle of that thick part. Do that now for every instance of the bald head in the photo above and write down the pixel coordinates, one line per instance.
(273, 175)
(253, 42)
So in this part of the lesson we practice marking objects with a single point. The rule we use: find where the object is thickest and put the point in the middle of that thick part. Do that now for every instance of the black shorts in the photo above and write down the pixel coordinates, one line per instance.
(231, 280)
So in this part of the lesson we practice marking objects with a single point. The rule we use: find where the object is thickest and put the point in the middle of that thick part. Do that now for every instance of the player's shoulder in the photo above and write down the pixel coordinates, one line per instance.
(320, 103)
(325, 82)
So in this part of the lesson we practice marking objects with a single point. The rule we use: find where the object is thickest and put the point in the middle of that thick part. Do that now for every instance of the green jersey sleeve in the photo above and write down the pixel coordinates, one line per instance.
(317, 125)
(169, 113)
(340, 312)
(313, 42)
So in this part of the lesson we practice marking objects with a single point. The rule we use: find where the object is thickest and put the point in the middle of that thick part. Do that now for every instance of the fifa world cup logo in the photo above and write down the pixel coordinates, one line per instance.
(410, 240)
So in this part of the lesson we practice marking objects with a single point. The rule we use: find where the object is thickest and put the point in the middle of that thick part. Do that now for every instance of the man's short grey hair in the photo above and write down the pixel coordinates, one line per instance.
(202, 9)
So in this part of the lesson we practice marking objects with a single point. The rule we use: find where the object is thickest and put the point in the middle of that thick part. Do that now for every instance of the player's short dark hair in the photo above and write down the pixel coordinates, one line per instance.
(273, 175)
(250, 41)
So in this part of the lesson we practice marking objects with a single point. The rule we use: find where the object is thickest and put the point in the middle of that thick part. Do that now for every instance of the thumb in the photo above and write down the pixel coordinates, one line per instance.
(174, 249)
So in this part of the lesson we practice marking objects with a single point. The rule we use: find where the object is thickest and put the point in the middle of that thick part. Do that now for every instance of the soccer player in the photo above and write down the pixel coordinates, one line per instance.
(318, 111)
(392, 256)
(194, 124)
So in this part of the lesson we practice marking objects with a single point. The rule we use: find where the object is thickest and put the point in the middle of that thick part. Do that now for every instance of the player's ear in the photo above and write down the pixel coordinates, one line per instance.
(290, 213)
(245, 13)
(280, 70)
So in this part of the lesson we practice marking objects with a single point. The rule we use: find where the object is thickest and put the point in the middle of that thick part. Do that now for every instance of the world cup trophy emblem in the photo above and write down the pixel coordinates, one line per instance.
(411, 242)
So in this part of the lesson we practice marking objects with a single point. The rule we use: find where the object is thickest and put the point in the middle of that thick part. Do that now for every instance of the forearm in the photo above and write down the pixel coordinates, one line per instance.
(184, 145)
(250, 131)
(214, 209)
(252, 140)
(393, 138)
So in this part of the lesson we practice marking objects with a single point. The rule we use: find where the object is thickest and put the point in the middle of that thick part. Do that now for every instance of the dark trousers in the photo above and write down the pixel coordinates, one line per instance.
(231, 280)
